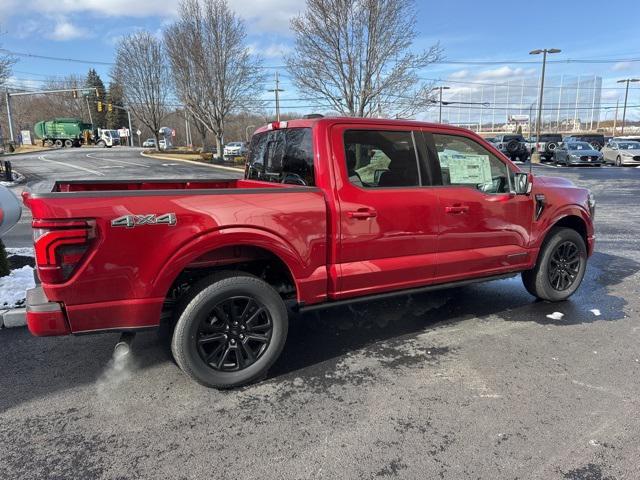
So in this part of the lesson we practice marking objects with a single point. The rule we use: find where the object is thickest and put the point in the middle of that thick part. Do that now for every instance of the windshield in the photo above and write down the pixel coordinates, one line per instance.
(629, 146)
(579, 146)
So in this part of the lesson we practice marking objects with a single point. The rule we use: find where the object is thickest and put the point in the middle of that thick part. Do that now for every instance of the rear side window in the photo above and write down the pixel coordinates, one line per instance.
(376, 158)
(282, 156)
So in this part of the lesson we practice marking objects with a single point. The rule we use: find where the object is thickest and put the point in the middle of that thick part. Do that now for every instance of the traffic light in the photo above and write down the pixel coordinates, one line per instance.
(75, 93)
(99, 106)
(109, 107)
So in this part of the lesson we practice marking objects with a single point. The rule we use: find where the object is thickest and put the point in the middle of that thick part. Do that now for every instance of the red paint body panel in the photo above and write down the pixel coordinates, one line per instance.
(416, 237)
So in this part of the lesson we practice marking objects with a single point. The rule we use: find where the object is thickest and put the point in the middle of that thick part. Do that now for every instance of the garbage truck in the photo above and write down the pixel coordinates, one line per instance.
(73, 132)
(63, 132)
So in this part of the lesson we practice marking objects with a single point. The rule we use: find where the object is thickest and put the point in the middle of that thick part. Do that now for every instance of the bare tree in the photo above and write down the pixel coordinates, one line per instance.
(6, 62)
(213, 70)
(356, 56)
(141, 69)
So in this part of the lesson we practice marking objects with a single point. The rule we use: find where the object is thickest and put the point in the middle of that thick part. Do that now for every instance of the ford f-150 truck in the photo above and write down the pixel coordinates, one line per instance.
(330, 211)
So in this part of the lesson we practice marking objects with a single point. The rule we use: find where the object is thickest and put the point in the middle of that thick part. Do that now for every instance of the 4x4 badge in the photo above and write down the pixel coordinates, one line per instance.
(131, 221)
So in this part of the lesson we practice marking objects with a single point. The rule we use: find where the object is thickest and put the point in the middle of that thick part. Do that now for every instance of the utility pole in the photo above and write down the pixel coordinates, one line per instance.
(544, 65)
(8, 100)
(130, 129)
(277, 91)
(615, 119)
(626, 94)
(440, 111)
(89, 110)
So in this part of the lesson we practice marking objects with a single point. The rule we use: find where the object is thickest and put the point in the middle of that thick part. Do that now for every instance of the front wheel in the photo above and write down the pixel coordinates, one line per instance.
(231, 330)
(618, 161)
(561, 265)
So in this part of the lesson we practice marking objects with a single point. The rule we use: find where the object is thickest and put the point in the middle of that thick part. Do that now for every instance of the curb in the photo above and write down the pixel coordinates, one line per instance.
(13, 318)
(164, 157)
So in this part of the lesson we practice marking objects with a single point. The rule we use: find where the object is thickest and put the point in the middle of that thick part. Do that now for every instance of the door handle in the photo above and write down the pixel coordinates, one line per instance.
(457, 209)
(363, 213)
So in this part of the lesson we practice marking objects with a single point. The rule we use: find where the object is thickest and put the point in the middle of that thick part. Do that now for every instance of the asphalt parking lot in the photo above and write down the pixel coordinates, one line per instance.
(475, 382)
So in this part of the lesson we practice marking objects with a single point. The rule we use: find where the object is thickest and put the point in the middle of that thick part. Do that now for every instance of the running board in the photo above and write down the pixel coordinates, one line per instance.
(380, 296)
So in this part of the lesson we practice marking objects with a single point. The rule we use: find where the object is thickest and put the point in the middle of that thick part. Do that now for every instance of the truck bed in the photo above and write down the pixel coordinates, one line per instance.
(159, 184)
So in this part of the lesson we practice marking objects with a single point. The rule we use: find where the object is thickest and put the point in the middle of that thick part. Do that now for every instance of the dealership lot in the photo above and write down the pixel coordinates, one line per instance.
(478, 382)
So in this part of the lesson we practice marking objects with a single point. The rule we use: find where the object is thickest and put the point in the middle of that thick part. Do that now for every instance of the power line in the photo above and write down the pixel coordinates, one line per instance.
(439, 62)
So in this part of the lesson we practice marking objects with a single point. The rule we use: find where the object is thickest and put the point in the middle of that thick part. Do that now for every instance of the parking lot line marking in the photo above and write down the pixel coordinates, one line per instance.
(117, 161)
(43, 158)
(111, 166)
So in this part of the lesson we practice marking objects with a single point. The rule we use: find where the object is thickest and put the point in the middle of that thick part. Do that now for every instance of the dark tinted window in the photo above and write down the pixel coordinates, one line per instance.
(282, 156)
(550, 138)
(381, 158)
(508, 138)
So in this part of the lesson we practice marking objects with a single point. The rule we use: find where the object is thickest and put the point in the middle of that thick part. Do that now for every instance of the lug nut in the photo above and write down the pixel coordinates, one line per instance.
(233, 342)
(242, 327)
(241, 336)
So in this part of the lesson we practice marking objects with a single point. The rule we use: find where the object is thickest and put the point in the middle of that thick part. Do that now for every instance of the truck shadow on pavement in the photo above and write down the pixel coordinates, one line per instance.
(40, 367)
(323, 335)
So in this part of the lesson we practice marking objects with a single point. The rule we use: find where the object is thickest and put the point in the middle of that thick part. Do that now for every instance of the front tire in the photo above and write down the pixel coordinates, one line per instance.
(561, 265)
(618, 161)
(231, 330)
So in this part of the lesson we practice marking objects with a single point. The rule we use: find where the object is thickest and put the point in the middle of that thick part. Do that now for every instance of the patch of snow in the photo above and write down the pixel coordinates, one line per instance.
(555, 316)
(13, 287)
(595, 311)
(22, 251)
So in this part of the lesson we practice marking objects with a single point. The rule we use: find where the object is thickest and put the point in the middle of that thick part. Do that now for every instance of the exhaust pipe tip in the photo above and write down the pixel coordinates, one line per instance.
(123, 347)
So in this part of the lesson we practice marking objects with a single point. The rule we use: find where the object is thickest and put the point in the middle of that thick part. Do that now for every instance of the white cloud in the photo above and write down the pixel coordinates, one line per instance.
(459, 75)
(65, 30)
(270, 16)
(503, 73)
(620, 66)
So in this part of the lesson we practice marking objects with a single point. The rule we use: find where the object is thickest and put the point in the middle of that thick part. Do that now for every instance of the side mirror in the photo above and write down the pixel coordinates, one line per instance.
(523, 183)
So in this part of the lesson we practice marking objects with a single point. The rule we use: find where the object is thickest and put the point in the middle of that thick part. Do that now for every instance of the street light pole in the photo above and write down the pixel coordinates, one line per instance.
(626, 94)
(440, 113)
(544, 65)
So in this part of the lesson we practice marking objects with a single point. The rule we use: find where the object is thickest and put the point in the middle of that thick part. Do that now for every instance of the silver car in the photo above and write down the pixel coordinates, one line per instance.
(620, 152)
(577, 153)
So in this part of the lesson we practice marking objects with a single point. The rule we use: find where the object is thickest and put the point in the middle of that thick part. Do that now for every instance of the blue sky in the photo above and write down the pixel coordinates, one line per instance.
(467, 30)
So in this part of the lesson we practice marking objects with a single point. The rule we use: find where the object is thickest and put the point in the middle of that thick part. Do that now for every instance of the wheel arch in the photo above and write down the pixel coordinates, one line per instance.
(247, 250)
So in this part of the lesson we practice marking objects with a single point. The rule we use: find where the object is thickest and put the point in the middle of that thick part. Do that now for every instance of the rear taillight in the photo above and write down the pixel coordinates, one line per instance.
(60, 246)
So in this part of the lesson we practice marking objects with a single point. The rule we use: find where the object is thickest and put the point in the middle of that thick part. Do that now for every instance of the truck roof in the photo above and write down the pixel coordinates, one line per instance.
(310, 122)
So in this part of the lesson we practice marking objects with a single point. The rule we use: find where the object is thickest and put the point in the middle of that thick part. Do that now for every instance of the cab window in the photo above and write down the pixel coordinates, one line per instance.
(464, 162)
(377, 159)
(282, 156)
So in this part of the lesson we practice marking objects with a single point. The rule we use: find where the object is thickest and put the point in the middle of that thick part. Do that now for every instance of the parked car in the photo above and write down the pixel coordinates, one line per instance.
(149, 143)
(627, 138)
(546, 145)
(596, 140)
(513, 146)
(330, 211)
(577, 153)
(621, 153)
(235, 149)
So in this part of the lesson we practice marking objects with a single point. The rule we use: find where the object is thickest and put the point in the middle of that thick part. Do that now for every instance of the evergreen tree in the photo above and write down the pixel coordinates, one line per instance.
(117, 118)
(94, 81)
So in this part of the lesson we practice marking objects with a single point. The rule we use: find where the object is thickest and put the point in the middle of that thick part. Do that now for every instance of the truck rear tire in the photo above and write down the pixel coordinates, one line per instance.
(231, 329)
(68, 143)
(58, 143)
(561, 265)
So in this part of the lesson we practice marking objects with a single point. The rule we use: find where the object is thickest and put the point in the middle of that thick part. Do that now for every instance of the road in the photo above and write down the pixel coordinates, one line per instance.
(42, 169)
(475, 382)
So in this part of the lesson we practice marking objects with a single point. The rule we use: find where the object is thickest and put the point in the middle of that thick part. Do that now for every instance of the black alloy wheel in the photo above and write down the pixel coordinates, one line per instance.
(235, 334)
(564, 266)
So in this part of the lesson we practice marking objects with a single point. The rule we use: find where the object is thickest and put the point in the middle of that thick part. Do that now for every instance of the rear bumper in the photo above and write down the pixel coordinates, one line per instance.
(45, 318)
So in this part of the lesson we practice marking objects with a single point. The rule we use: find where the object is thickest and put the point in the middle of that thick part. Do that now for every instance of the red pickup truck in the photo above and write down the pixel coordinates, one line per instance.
(330, 211)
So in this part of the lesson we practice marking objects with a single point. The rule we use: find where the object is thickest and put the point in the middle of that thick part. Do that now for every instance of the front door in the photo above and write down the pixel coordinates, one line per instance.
(484, 226)
(388, 224)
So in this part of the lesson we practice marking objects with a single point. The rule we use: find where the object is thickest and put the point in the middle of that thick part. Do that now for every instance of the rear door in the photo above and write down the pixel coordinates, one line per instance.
(388, 223)
(484, 226)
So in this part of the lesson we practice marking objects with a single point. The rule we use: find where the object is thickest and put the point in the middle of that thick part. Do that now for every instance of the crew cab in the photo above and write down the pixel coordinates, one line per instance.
(330, 211)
